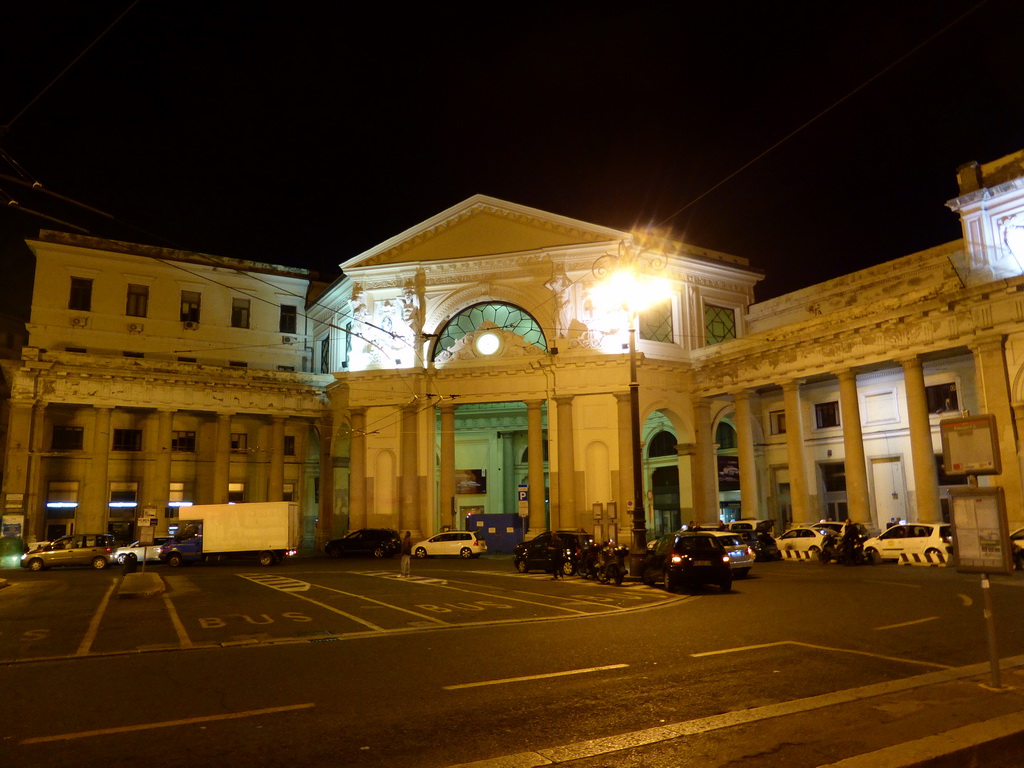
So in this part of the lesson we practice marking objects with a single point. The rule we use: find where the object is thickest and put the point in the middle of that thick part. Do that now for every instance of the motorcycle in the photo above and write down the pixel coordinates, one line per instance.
(843, 551)
(604, 563)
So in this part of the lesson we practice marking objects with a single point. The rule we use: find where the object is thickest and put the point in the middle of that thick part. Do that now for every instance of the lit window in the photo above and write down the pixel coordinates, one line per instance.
(123, 495)
(507, 317)
(942, 398)
(236, 493)
(63, 495)
(288, 494)
(656, 323)
(719, 324)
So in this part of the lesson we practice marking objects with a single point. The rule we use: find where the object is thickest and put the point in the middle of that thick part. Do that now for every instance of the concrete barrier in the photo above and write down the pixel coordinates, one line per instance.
(798, 554)
(939, 558)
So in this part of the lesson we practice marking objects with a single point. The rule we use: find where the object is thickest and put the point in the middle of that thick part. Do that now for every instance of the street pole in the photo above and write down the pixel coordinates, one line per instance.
(639, 511)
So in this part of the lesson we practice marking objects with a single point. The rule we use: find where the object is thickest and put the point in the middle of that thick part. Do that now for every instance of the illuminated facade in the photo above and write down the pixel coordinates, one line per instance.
(464, 373)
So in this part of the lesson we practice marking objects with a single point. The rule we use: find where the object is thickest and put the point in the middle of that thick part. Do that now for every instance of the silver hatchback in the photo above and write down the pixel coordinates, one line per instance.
(741, 554)
(95, 549)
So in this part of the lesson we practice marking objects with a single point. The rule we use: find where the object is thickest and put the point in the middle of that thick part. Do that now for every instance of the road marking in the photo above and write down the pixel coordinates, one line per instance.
(966, 600)
(357, 619)
(164, 724)
(819, 648)
(280, 583)
(907, 623)
(604, 746)
(183, 639)
(94, 625)
(533, 677)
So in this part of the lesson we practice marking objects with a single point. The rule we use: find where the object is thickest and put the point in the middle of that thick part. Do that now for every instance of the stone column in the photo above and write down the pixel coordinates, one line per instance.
(156, 492)
(566, 516)
(221, 460)
(685, 453)
(994, 388)
(749, 492)
(705, 487)
(926, 479)
(535, 468)
(92, 516)
(275, 480)
(325, 513)
(357, 470)
(623, 421)
(17, 469)
(802, 512)
(409, 504)
(447, 480)
(854, 461)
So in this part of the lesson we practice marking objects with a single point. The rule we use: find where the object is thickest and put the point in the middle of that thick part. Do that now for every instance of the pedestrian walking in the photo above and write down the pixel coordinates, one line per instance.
(406, 556)
(557, 552)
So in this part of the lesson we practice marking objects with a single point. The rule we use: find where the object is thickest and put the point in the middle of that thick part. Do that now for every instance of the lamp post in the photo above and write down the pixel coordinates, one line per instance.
(624, 278)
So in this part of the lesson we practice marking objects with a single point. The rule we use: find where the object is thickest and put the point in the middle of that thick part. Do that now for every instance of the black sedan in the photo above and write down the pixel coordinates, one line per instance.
(536, 554)
(687, 558)
(379, 542)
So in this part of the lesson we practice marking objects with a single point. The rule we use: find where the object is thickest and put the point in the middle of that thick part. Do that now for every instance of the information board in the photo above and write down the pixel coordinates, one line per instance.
(970, 445)
(981, 537)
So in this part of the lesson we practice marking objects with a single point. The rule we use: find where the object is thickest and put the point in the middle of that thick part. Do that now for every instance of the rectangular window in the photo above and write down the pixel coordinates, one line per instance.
(76, 350)
(178, 495)
(942, 398)
(127, 440)
(656, 323)
(124, 495)
(289, 445)
(289, 319)
(286, 367)
(66, 438)
(238, 364)
(186, 359)
(288, 493)
(183, 442)
(826, 415)
(325, 356)
(239, 442)
(126, 353)
(778, 422)
(719, 324)
(236, 493)
(62, 495)
(81, 294)
(240, 313)
(190, 304)
(137, 303)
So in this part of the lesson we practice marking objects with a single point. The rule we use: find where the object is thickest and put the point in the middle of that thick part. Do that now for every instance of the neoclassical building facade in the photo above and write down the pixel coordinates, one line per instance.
(476, 371)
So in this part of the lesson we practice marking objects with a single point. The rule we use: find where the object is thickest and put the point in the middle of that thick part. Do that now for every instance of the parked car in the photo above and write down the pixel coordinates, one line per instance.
(1017, 540)
(464, 544)
(750, 524)
(95, 549)
(535, 555)
(926, 539)
(764, 545)
(379, 542)
(804, 538)
(837, 528)
(687, 558)
(741, 554)
(146, 553)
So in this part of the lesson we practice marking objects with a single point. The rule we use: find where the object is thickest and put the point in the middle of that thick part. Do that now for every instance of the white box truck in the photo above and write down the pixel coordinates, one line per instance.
(266, 530)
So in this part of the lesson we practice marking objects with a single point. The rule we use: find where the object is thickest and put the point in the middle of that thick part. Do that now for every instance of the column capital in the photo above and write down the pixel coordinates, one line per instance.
(847, 374)
(991, 343)
(910, 361)
(792, 385)
(563, 399)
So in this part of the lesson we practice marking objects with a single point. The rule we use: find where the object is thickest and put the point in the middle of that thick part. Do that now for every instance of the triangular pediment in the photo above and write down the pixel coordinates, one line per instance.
(482, 226)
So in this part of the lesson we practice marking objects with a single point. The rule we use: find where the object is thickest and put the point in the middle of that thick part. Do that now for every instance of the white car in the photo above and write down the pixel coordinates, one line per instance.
(741, 556)
(1017, 540)
(803, 538)
(464, 544)
(929, 540)
(149, 554)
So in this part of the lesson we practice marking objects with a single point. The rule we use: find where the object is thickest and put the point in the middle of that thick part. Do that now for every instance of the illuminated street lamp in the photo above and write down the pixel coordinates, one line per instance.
(625, 282)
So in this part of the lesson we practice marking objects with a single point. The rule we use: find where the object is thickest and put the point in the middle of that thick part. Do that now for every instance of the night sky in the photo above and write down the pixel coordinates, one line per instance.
(306, 132)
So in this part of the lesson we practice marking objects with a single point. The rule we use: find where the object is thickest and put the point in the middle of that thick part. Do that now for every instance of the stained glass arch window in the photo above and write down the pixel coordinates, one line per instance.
(508, 317)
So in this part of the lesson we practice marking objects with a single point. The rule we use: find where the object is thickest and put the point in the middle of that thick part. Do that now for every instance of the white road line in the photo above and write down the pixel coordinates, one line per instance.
(819, 648)
(533, 677)
(163, 724)
(183, 639)
(94, 624)
(907, 623)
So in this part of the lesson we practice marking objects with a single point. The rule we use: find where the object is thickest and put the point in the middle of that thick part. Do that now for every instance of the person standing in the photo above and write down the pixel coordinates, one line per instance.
(406, 567)
(557, 552)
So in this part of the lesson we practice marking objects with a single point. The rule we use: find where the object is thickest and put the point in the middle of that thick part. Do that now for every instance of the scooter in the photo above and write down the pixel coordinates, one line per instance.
(611, 564)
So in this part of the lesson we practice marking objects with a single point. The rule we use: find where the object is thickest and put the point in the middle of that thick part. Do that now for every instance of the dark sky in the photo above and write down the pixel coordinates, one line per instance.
(305, 132)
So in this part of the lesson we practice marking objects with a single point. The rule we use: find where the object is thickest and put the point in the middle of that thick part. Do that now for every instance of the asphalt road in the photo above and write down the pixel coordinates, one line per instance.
(321, 662)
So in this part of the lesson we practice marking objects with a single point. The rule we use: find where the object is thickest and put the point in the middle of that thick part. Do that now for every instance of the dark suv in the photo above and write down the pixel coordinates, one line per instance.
(379, 542)
(534, 554)
(687, 558)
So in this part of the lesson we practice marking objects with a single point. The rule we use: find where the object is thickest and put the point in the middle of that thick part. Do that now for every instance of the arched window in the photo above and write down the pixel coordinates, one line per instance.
(506, 316)
(725, 436)
(662, 444)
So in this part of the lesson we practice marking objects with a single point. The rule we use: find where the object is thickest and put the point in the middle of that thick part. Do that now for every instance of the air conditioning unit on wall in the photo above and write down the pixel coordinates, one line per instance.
(190, 325)
(79, 322)
(135, 327)
(287, 339)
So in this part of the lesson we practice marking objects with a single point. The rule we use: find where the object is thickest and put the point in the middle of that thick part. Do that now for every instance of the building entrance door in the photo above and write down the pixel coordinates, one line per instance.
(890, 490)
